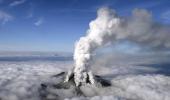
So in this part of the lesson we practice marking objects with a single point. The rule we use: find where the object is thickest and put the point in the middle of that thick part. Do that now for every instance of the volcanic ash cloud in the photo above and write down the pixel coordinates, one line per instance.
(108, 28)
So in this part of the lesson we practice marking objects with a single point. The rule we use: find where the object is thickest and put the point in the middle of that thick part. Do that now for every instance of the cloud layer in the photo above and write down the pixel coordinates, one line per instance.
(20, 80)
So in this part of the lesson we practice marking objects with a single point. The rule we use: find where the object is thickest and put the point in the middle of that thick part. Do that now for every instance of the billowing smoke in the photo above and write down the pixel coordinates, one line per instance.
(108, 27)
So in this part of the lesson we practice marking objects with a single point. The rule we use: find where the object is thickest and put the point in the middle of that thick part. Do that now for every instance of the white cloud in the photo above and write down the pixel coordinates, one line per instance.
(166, 15)
(21, 81)
(149, 87)
(5, 17)
(39, 22)
(18, 2)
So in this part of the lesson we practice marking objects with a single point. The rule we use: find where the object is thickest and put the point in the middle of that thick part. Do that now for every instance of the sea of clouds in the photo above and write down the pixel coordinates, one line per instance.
(136, 77)
(21, 80)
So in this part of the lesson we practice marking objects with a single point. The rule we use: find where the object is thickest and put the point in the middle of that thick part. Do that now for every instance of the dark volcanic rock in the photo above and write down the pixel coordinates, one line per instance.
(57, 89)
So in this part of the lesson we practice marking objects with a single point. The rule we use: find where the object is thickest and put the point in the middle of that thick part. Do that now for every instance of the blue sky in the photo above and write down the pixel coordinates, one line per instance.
(54, 25)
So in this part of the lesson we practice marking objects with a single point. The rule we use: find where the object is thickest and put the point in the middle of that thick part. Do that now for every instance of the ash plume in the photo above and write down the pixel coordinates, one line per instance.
(108, 28)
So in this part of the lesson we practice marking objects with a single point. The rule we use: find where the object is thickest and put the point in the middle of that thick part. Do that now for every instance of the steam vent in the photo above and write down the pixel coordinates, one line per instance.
(58, 86)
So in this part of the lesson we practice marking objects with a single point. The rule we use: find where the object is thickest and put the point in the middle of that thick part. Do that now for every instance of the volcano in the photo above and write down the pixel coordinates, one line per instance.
(52, 90)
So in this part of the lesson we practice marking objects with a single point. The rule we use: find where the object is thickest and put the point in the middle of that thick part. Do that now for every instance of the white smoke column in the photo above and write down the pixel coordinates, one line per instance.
(99, 29)
(108, 28)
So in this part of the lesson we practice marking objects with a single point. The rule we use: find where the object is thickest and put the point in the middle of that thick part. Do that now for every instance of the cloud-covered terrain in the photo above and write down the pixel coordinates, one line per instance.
(21, 80)
(142, 77)
(149, 87)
